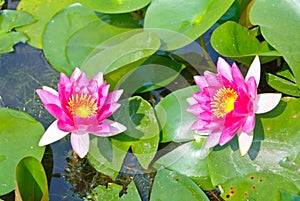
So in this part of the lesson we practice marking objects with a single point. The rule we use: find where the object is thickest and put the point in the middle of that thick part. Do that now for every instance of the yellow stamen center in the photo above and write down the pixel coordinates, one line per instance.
(224, 101)
(82, 105)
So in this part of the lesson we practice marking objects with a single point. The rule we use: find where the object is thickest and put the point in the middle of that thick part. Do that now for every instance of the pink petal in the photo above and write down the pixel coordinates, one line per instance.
(200, 81)
(195, 109)
(107, 110)
(52, 134)
(55, 111)
(237, 76)
(48, 97)
(80, 143)
(254, 70)
(245, 142)
(99, 78)
(199, 125)
(115, 128)
(66, 126)
(114, 96)
(224, 68)
(75, 75)
(191, 101)
(213, 139)
(225, 137)
(252, 87)
(266, 102)
(249, 124)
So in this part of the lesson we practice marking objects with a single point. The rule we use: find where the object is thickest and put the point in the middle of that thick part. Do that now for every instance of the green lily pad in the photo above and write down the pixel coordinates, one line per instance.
(191, 18)
(122, 54)
(145, 77)
(15, 144)
(31, 180)
(42, 11)
(115, 6)
(124, 20)
(58, 32)
(169, 185)
(189, 159)
(175, 121)
(275, 148)
(111, 193)
(235, 41)
(257, 186)
(279, 23)
(82, 43)
(142, 135)
(11, 19)
(283, 85)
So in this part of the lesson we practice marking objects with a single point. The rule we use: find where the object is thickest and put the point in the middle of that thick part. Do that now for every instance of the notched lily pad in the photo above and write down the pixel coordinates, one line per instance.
(11, 19)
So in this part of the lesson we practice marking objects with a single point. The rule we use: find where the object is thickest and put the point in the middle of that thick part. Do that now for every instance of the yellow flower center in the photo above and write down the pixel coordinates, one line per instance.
(82, 105)
(223, 101)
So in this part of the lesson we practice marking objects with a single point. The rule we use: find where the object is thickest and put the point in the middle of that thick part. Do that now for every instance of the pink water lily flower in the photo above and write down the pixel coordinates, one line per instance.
(81, 107)
(227, 104)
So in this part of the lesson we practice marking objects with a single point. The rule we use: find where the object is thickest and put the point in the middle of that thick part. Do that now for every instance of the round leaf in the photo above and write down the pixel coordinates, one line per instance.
(170, 185)
(175, 121)
(19, 137)
(275, 147)
(122, 54)
(31, 180)
(42, 11)
(279, 22)
(85, 40)
(189, 159)
(235, 41)
(115, 6)
(191, 18)
(58, 31)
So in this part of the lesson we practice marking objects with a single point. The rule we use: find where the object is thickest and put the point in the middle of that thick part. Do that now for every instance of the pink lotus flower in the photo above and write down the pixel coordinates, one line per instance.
(81, 106)
(227, 104)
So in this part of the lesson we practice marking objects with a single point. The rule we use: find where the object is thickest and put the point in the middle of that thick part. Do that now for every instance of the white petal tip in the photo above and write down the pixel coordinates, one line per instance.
(266, 102)
(245, 142)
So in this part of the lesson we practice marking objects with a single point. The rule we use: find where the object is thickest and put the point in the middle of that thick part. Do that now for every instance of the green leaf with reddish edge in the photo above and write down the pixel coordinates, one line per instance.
(275, 147)
(191, 18)
(15, 144)
(84, 41)
(174, 120)
(115, 6)
(111, 193)
(279, 22)
(123, 53)
(169, 185)
(189, 159)
(145, 77)
(31, 180)
(42, 11)
(257, 186)
(283, 85)
(142, 135)
(235, 41)
(58, 32)
(11, 19)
